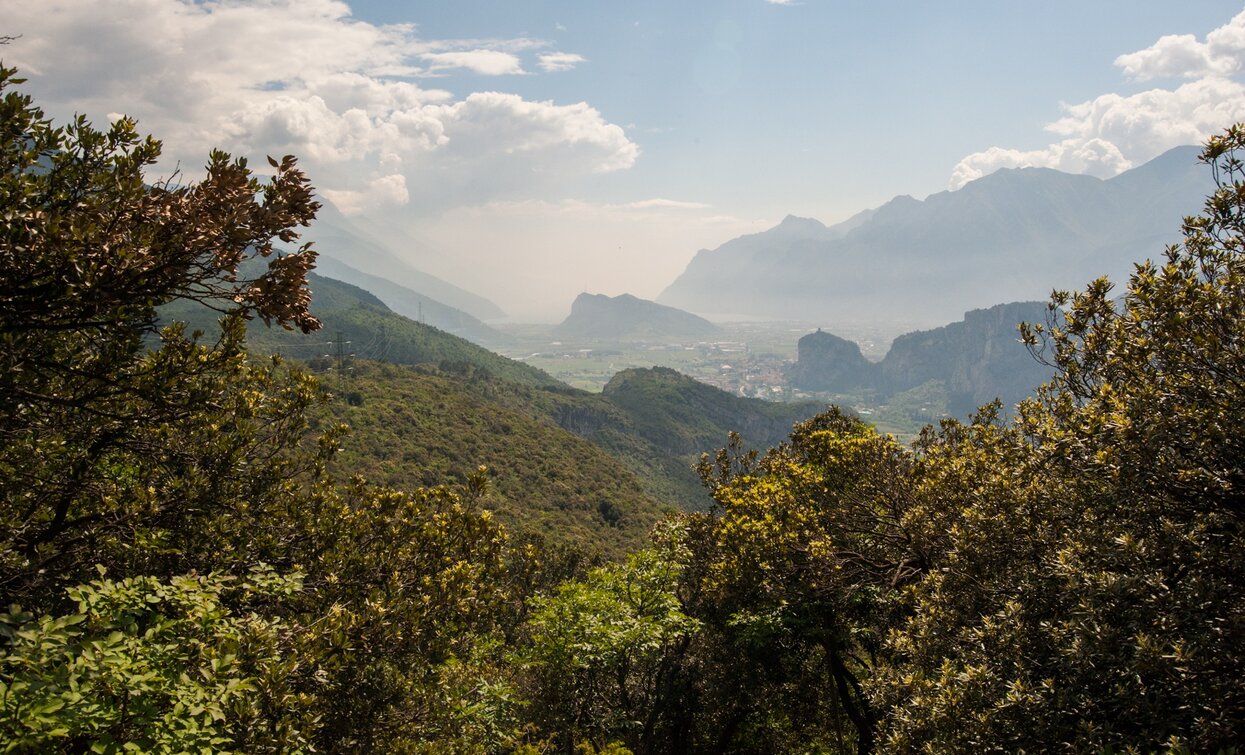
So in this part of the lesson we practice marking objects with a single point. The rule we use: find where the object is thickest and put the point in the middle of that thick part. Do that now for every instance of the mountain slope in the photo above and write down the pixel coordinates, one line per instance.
(368, 330)
(655, 423)
(684, 416)
(417, 426)
(1012, 235)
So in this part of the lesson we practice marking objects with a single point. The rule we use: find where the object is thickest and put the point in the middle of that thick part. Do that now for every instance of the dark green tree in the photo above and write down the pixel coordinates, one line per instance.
(105, 444)
(1092, 594)
(180, 465)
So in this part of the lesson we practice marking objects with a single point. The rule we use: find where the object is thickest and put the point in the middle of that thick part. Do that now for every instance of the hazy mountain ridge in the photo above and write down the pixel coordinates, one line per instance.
(414, 305)
(626, 317)
(367, 329)
(337, 238)
(1012, 235)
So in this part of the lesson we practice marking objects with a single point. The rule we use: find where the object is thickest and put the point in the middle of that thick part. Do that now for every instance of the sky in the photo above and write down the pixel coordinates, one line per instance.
(529, 150)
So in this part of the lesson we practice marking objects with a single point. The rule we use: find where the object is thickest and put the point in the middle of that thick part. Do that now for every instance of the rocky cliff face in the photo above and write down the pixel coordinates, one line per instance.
(977, 359)
(829, 363)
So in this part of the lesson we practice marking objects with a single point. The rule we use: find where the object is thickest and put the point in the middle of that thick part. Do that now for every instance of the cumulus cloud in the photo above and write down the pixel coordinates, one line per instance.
(303, 77)
(1184, 55)
(1144, 124)
(559, 61)
(495, 123)
(1114, 132)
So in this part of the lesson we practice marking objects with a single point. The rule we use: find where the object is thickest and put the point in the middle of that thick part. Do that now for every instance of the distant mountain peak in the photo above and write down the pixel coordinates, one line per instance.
(794, 225)
(797, 221)
(627, 317)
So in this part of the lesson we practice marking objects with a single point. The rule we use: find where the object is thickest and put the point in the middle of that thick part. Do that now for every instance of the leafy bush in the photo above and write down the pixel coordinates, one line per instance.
(154, 665)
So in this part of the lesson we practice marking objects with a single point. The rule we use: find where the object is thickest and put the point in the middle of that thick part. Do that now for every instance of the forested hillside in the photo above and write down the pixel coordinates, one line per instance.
(194, 558)
(413, 428)
(366, 328)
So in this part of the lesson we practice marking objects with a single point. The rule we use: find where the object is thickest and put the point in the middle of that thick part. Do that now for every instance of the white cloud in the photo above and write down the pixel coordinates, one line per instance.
(1093, 156)
(303, 77)
(483, 62)
(1145, 124)
(1114, 132)
(559, 61)
(1184, 55)
(498, 124)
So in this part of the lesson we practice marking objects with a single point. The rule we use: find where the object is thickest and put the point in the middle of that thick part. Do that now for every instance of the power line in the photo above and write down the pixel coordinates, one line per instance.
(339, 354)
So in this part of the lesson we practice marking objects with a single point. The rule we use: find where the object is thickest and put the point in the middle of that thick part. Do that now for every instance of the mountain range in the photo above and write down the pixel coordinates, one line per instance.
(1012, 235)
(414, 305)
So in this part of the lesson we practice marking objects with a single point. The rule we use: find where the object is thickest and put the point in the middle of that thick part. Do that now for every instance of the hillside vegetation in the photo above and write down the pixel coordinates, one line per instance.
(421, 427)
(655, 422)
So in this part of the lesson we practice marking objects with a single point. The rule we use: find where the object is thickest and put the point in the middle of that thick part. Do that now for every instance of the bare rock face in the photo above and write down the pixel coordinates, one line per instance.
(977, 359)
(829, 363)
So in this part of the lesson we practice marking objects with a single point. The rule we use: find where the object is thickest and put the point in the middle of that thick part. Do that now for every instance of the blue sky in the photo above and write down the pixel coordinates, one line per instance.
(529, 150)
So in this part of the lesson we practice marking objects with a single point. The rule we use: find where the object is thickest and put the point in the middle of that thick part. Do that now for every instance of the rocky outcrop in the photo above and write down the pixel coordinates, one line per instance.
(829, 363)
(977, 360)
